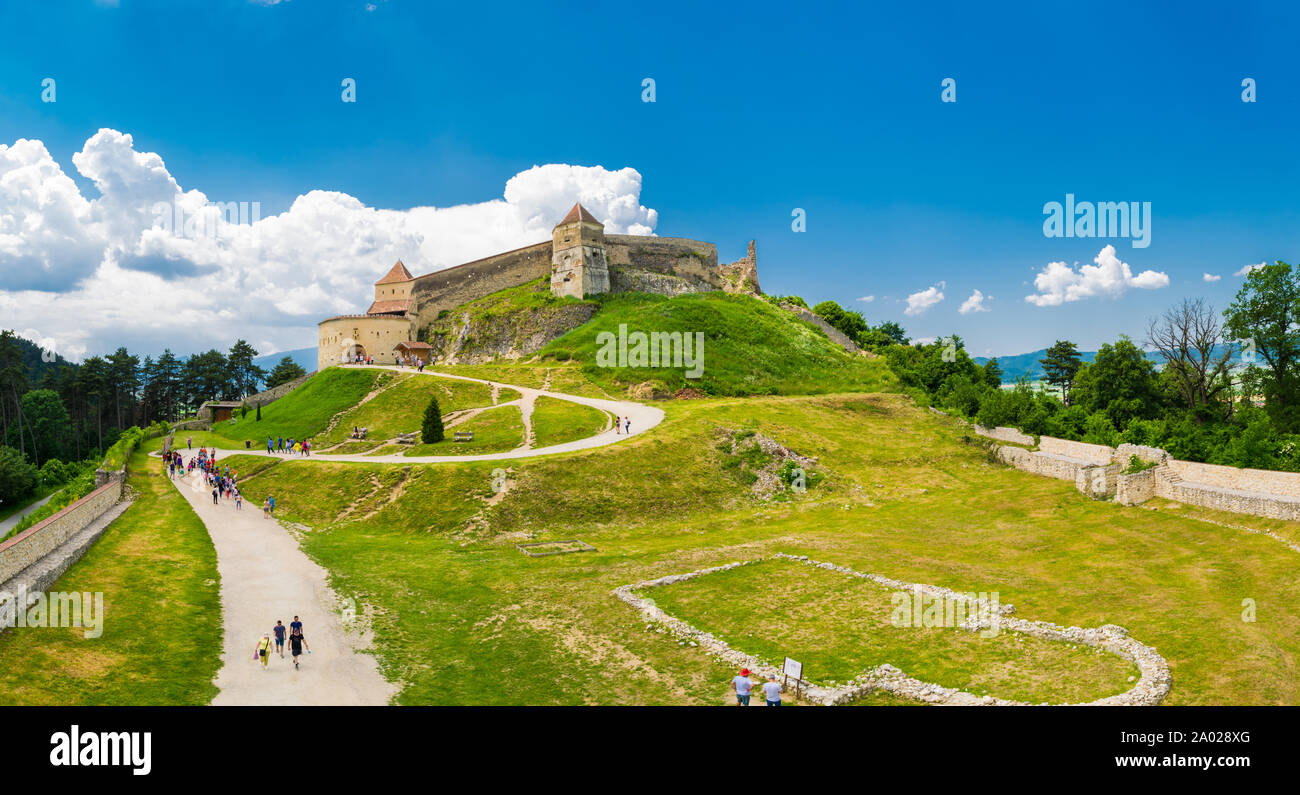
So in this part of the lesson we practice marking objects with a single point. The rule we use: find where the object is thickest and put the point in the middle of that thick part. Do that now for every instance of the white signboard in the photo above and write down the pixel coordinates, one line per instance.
(792, 669)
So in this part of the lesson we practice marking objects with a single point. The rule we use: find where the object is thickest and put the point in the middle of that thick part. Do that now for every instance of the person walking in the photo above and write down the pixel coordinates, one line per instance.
(618, 425)
(627, 429)
(262, 651)
(296, 644)
(189, 442)
(742, 685)
(280, 632)
(269, 447)
(772, 691)
(266, 508)
(295, 626)
(270, 501)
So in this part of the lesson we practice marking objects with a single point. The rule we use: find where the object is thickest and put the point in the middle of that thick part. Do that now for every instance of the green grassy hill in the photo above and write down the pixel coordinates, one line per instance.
(750, 348)
(307, 410)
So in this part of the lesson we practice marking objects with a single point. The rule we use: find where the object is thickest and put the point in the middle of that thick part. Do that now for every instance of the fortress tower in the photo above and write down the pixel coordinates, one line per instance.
(578, 264)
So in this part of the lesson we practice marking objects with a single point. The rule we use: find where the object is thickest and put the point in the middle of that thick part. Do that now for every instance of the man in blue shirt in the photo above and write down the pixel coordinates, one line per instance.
(279, 638)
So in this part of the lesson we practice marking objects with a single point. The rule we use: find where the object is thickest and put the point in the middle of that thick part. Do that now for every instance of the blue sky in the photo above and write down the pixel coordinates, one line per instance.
(760, 108)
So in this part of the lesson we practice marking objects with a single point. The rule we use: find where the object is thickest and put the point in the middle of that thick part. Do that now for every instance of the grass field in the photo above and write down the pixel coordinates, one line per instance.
(557, 421)
(495, 431)
(399, 407)
(767, 609)
(468, 619)
(161, 641)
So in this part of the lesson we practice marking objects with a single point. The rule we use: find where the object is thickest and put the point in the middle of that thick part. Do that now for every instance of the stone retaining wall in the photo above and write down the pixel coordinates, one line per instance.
(1004, 434)
(1096, 470)
(1136, 487)
(1257, 480)
(1093, 453)
(1040, 463)
(29, 546)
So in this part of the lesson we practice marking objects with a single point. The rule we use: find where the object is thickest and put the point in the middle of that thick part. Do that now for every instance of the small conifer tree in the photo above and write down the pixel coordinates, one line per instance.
(431, 432)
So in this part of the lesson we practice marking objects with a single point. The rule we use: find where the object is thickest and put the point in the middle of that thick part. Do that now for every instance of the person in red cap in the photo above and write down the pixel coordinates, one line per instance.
(742, 685)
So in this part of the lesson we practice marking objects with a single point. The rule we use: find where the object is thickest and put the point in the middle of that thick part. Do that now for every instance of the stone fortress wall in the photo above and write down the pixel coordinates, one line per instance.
(449, 288)
(34, 560)
(633, 262)
(1098, 471)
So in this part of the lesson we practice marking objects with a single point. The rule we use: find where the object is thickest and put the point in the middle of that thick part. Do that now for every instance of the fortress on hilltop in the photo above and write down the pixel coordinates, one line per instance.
(580, 259)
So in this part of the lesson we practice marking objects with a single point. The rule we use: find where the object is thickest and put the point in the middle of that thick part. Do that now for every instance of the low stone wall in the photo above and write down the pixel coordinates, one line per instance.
(1093, 453)
(34, 543)
(1098, 481)
(1256, 480)
(1149, 455)
(1136, 487)
(1039, 463)
(1151, 688)
(1005, 434)
(1272, 506)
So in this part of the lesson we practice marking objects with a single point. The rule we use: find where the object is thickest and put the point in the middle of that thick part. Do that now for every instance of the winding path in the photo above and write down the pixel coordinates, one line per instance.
(265, 577)
(643, 419)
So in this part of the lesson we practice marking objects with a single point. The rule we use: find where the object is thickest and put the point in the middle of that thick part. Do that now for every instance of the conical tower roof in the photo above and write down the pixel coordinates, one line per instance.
(578, 213)
(399, 273)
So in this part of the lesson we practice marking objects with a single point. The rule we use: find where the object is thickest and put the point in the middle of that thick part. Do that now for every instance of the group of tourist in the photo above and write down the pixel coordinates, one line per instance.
(409, 361)
(743, 686)
(289, 446)
(297, 642)
(223, 481)
(361, 358)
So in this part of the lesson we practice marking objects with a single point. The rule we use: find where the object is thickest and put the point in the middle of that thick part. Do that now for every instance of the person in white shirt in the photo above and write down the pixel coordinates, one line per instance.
(772, 692)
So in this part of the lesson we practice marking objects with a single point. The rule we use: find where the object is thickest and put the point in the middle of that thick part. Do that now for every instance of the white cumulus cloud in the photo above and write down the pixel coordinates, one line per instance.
(90, 274)
(1247, 269)
(1211, 277)
(920, 301)
(1058, 283)
(974, 304)
(866, 299)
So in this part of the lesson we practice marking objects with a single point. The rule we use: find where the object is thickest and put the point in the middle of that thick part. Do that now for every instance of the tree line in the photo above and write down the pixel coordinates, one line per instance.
(59, 410)
(1224, 387)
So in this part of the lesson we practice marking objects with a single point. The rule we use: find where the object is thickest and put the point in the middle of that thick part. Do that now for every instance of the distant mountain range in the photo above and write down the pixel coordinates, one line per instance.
(1026, 364)
(305, 357)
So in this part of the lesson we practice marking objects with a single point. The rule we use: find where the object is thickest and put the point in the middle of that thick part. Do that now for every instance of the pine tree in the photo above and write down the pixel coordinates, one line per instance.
(432, 429)
(259, 412)
(1060, 364)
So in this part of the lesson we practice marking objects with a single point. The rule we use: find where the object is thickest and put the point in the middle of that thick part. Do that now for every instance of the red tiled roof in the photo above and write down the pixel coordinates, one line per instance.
(395, 306)
(579, 213)
(398, 273)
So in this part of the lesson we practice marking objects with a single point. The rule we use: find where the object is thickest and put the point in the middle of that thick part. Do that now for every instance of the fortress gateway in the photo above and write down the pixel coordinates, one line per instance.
(580, 259)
